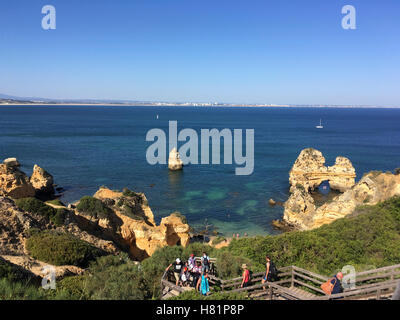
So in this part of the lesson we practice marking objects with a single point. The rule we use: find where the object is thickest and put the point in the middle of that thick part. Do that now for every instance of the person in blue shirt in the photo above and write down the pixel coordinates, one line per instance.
(337, 283)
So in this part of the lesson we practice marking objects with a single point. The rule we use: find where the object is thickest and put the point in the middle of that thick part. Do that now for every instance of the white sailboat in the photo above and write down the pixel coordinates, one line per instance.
(157, 117)
(320, 125)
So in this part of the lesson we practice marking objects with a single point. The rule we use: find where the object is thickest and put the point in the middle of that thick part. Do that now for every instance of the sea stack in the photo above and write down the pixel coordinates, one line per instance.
(174, 161)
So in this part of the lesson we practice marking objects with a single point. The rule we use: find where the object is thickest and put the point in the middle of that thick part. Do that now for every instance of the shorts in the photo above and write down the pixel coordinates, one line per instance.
(177, 276)
(205, 268)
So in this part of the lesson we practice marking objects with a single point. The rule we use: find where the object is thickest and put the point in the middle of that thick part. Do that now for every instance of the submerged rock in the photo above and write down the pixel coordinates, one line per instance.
(174, 160)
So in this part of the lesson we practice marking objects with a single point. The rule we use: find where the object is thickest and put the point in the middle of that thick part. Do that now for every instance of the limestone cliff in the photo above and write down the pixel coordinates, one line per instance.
(42, 181)
(131, 223)
(14, 183)
(300, 209)
(310, 171)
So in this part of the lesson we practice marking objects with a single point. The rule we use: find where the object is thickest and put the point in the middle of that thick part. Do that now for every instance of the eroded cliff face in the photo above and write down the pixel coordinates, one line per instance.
(16, 184)
(42, 181)
(300, 209)
(374, 187)
(310, 171)
(131, 223)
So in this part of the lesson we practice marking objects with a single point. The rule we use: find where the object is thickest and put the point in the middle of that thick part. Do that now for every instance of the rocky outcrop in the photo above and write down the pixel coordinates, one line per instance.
(299, 208)
(42, 182)
(131, 224)
(374, 187)
(310, 171)
(174, 160)
(14, 183)
(14, 227)
(36, 267)
(11, 162)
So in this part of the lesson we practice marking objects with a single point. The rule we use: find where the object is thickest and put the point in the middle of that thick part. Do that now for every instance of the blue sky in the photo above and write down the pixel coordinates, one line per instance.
(253, 51)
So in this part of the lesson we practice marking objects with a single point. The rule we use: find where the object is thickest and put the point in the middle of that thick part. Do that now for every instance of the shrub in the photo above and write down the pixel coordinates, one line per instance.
(116, 278)
(61, 249)
(35, 206)
(59, 218)
(93, 207)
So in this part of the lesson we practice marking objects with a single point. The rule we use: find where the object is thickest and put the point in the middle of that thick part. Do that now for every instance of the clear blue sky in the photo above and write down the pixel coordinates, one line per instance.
(247, 51)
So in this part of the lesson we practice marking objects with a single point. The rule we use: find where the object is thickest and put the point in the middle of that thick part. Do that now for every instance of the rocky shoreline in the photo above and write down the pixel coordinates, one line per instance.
(309, 171)
(122, 221)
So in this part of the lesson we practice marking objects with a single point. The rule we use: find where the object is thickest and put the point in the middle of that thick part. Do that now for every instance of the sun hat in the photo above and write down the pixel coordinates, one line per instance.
(178, 260)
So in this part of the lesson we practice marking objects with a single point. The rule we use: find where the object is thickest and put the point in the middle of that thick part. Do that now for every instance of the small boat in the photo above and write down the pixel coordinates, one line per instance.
(157, 117)
(320, 125)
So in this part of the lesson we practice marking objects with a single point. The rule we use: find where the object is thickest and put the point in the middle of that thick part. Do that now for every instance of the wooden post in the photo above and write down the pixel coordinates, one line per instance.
(292, 282)
(270, 292)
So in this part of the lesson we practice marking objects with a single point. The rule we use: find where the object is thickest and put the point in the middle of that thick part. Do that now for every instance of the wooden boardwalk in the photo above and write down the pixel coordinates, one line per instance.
(299, 284)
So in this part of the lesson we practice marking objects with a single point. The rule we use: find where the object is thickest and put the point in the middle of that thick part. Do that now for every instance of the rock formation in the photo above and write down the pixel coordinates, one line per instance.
(374, 187)
(14, 183)
(300, 209)
(310, 171)
(42, 181)
(174, 160)
(11, 162)
(132, 224)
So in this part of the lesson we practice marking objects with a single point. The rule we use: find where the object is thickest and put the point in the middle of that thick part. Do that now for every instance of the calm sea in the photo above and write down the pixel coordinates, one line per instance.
(86, 147)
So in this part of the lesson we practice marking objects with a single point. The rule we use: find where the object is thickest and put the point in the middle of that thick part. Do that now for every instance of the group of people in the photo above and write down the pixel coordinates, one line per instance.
(192, 273)
(195, 273)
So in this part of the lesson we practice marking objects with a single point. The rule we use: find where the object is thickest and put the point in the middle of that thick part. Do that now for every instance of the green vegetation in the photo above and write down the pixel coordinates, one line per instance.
(116, 278)
(61, 249)
(370, 237)
(93, 207)
(35, 206)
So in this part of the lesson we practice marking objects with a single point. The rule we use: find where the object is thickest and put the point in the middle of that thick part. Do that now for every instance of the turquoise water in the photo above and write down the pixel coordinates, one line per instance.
(86, 147)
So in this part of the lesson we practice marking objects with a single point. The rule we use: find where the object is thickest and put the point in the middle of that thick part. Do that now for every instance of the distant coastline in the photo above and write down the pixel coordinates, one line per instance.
(204, 105)
(7, 100)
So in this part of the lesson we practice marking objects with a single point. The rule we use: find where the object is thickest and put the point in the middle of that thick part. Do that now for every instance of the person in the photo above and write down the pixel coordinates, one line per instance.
(191, 261)
(205, 263)
(396, 294)
(337, 283)
(185, 275)
(177, 269)
(245, 276)
(203, 284)
(196, 273)
(270, 271)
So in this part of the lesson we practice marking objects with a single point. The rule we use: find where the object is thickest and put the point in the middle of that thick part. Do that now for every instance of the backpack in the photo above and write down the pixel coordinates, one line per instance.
(273, 271)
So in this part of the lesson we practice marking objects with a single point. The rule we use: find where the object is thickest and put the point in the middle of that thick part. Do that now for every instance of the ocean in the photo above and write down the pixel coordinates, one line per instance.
(85, 147)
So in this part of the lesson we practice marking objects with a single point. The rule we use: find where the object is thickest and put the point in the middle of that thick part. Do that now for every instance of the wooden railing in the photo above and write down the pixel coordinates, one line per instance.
(299, 284)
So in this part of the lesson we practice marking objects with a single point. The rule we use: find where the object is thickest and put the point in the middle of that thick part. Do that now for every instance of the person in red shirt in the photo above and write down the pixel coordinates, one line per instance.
(245, 276)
